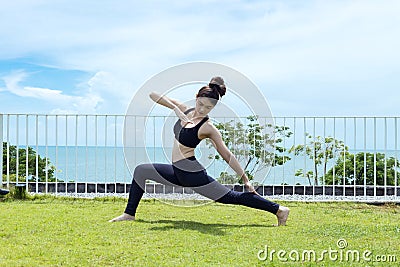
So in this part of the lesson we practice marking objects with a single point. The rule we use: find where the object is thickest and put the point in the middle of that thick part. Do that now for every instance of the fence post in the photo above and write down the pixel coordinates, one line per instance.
(1, 150)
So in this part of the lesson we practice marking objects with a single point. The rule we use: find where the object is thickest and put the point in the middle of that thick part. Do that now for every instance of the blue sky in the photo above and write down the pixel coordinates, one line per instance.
(309, 58)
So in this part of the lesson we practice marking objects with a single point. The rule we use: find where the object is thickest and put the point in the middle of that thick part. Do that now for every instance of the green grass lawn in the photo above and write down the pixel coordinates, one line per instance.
(71, 232)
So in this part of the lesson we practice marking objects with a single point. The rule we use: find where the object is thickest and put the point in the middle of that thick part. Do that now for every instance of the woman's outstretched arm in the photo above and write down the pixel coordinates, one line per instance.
(167, 102)
(173, 104)
(227, 155)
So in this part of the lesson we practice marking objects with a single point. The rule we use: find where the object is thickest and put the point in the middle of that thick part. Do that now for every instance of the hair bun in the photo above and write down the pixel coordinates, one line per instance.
(217, 83)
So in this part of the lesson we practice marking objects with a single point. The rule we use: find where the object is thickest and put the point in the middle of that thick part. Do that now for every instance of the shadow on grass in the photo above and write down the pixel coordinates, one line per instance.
(204, 228)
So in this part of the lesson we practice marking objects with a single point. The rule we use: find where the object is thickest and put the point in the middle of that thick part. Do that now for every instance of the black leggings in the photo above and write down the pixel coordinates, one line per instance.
(190, 173)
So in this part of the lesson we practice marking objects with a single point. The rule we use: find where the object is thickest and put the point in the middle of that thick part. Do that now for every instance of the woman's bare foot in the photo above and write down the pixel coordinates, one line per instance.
(282, 214)
(123, 217)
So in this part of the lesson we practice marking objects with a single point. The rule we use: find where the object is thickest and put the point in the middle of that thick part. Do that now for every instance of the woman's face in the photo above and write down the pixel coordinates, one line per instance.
(204, 105)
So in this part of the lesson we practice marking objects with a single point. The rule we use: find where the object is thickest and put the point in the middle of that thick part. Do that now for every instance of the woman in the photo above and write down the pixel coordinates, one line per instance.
(185, 169)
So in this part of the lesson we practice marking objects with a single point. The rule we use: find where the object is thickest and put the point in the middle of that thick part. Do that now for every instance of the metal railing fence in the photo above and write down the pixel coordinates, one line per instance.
(314, 158)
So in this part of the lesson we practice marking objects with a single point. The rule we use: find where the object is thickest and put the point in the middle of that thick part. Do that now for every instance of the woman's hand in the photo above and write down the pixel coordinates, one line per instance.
(182, 116)
(249, 187)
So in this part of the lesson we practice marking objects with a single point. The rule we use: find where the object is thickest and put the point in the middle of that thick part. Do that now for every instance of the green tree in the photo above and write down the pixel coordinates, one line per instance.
(22, 164)
(250, 144)
(321, 150)
(365, 164)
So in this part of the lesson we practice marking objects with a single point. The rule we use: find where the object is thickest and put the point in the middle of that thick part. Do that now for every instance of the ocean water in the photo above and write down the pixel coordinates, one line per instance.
(107, 164)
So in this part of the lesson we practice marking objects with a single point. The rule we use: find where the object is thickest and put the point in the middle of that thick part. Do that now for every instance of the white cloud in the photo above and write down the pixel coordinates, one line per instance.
(86, 103)
(116, 91)
(326, 38)
(134, 36)
(301, 46)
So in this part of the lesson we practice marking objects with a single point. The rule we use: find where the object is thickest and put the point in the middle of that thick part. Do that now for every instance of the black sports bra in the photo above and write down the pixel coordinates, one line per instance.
(188, 136)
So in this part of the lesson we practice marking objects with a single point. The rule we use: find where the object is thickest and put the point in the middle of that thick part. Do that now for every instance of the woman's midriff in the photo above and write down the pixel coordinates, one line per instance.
(180, 151)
